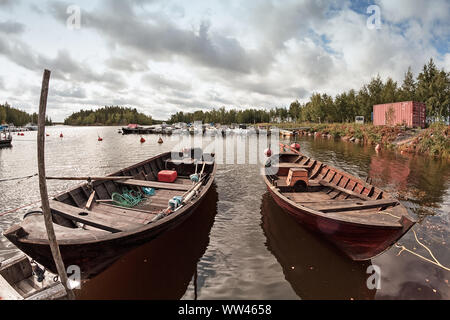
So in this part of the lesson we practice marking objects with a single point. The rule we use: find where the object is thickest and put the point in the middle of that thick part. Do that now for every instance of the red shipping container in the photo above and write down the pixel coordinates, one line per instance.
(167, 176)
(409, 113)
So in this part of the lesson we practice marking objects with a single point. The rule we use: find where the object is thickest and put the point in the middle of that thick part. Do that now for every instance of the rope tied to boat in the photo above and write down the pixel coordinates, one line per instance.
(435, 262)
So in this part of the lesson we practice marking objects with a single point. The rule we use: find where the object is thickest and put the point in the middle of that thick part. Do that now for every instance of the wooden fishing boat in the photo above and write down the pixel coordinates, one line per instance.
(91, 229)
(357, 217)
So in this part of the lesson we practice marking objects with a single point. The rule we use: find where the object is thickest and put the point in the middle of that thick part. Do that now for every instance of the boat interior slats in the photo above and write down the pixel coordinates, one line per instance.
(344, 190)
(155, 184)
(75, 196)
(102, 192)
(108, 222)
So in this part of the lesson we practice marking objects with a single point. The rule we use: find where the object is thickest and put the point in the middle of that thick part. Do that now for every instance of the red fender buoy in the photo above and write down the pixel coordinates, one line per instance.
(268, 152)
(296, 146)
(100, 139)
(142, 140)
(160, 141)
(61, 135)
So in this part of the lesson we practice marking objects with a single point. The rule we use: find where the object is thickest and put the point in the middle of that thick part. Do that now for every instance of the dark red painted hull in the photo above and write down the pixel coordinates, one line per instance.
(95, 257)
(359, 242)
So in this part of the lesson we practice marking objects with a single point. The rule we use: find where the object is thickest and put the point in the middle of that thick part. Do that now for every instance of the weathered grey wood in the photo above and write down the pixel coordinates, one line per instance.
(16, 269)
(43, 186)
(7, 292)
(155, 184)
(54, 292)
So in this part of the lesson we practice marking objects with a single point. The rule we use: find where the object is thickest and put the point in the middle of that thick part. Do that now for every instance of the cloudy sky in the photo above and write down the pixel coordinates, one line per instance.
(165, 56)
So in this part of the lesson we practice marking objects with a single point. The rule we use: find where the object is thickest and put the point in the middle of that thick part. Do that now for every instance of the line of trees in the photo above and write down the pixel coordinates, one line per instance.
(431, 86)
(113, 115)
(10, 115)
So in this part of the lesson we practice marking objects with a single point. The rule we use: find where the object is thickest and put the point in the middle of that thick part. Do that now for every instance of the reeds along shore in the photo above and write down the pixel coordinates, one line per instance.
(433, 141)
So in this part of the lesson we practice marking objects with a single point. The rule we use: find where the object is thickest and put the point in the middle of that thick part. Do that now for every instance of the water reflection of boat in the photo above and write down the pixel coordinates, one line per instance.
(161, 269)
(314, 268)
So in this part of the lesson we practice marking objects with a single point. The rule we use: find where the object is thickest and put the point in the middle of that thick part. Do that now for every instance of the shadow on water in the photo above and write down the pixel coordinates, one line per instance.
(161, 269)
(314, 268)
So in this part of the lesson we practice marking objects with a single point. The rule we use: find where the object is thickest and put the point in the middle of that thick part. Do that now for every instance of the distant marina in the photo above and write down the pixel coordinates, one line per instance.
(198, 128)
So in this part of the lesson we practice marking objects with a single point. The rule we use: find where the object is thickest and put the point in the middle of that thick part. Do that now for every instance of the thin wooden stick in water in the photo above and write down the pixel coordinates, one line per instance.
(43, 188)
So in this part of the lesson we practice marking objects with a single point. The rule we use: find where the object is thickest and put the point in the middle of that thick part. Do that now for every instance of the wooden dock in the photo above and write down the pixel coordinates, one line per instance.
(20, 280)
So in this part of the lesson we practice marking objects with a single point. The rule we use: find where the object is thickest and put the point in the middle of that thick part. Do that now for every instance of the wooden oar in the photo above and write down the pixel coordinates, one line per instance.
(292, 149)
(90, 178)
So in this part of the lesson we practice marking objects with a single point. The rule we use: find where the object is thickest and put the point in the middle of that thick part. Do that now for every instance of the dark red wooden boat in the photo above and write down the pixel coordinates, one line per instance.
(92, 235)
(357, 217)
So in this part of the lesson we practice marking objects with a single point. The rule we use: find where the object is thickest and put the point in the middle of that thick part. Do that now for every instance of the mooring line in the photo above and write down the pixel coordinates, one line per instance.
(17, 209)
(435, 262)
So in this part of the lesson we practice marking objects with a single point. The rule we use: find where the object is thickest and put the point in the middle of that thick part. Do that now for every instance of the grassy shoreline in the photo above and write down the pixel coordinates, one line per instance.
(433, 141)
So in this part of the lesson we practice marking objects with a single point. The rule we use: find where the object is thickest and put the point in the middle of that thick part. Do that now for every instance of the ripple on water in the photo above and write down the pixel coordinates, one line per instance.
(250, 249)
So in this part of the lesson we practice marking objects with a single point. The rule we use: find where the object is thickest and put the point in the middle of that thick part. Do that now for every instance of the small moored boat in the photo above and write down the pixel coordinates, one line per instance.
(357, 217)
(5, 140)
(95, 222)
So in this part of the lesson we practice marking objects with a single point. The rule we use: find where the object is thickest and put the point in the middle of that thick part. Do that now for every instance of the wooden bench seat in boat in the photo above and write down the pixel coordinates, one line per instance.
(156, 184)
(187, 161)
(97, 219)
(349, 205)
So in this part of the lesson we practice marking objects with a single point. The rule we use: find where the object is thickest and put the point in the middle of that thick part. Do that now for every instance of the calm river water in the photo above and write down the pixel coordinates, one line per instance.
(240, 244)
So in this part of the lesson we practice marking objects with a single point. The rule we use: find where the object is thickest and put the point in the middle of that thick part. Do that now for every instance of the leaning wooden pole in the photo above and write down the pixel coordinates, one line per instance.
(43, 187)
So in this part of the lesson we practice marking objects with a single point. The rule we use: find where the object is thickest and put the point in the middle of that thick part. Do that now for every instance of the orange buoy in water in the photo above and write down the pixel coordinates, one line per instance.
(142, 140)
(268, 152)
(160, 141)
(296, 146)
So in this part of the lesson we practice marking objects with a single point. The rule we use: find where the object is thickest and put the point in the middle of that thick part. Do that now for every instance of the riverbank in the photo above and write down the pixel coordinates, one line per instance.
(433, 141)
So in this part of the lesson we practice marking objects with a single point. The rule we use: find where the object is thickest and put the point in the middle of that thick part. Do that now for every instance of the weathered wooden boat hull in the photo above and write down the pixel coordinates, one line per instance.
(92, 258)
(99, 250)
(357, 241)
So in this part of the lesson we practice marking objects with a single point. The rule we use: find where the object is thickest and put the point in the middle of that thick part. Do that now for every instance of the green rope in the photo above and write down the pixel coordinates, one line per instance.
(128, 198)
